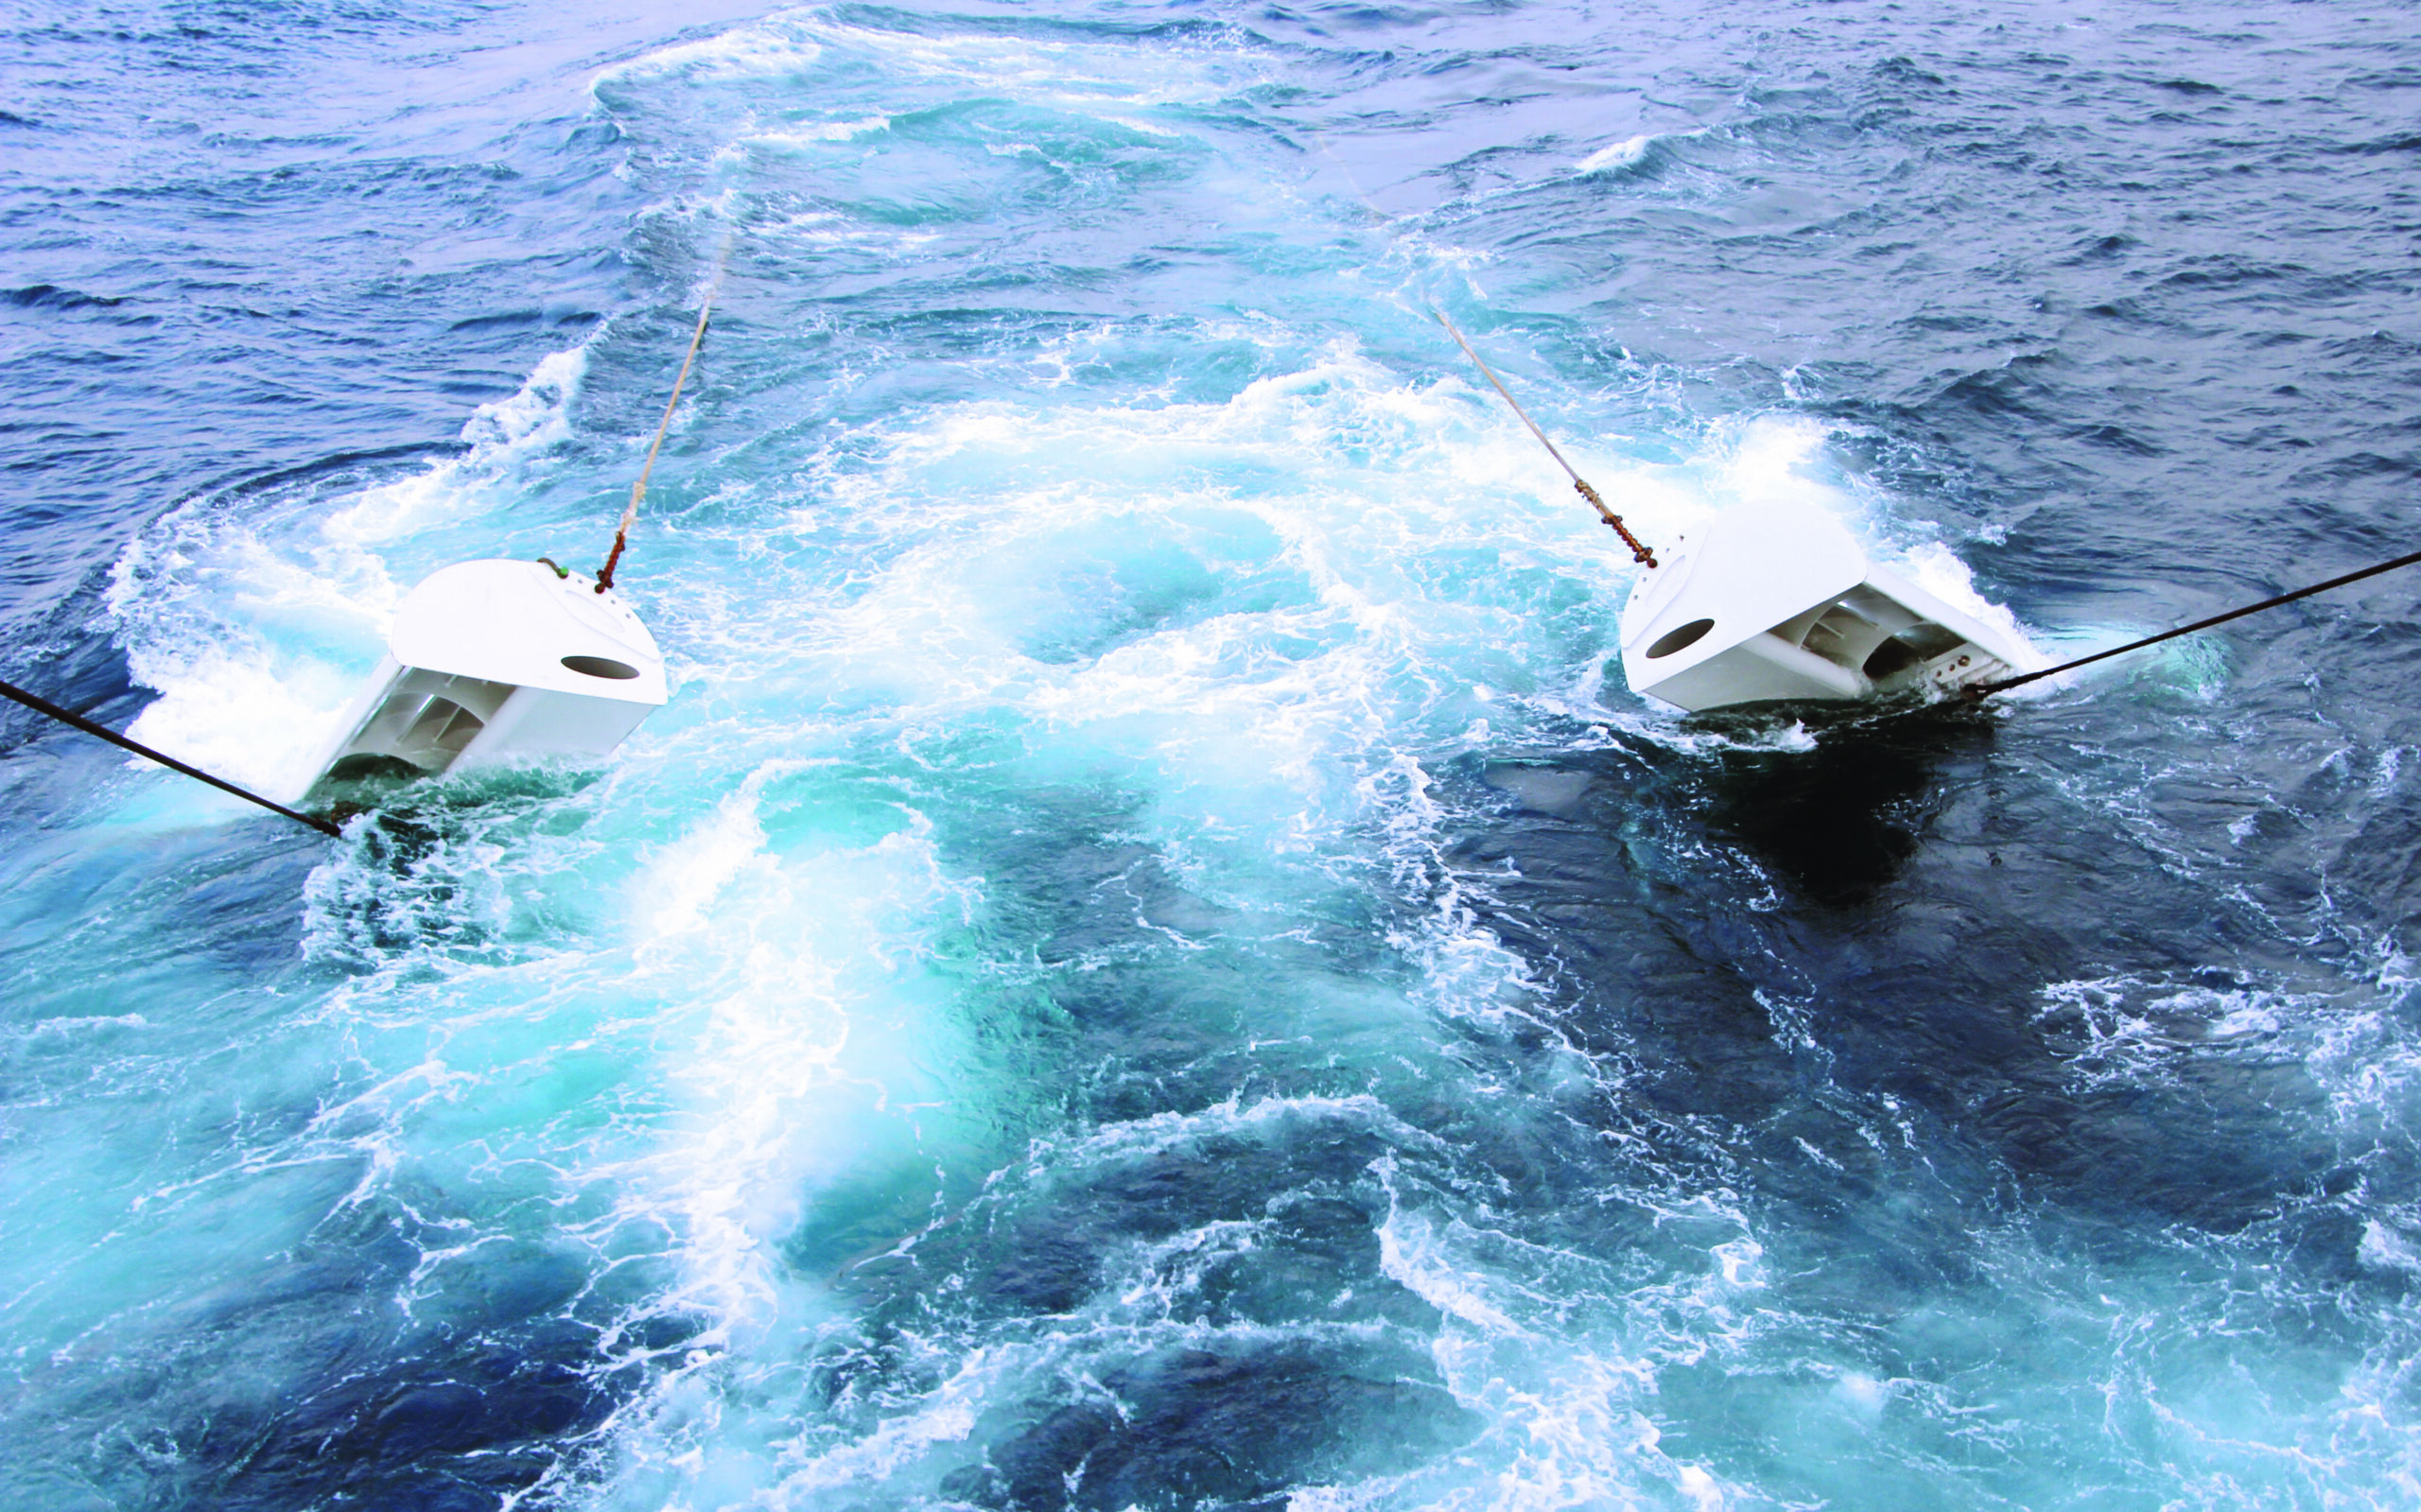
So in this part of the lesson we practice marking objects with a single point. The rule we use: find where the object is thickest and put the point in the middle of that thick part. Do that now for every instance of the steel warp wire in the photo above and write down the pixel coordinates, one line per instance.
(45, 706)
(1983, 689)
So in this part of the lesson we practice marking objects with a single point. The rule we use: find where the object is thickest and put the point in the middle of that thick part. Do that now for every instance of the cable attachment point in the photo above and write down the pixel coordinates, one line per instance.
(1638, 552)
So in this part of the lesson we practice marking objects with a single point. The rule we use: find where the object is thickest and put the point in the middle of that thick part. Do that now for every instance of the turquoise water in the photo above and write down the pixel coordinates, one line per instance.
(1151, 962)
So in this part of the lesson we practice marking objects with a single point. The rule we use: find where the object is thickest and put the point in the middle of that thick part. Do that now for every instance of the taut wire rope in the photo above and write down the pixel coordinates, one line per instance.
(638, 489)
(1638, 553)
(1983, 689)
(45, 706)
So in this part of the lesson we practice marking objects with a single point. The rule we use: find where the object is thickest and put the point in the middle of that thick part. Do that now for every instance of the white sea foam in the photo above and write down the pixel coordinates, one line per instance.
(779, 45)
(996, 529)
(2137, 1031)
(778, 1076)
(1621, 154)
(1567, 1419)
(989, 594)
(816, 134)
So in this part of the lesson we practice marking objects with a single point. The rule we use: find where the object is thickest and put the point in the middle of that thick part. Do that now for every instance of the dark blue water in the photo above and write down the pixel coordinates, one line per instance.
(1151, 962)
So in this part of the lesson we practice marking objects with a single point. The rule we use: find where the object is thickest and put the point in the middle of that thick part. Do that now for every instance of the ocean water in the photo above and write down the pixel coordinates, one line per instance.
(1151, 961)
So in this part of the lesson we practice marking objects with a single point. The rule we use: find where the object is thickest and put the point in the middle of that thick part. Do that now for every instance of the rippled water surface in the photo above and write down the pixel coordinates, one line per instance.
(1151, 962)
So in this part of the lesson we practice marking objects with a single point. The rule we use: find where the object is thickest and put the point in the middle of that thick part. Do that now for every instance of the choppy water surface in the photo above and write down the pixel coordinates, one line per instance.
(1151, 962)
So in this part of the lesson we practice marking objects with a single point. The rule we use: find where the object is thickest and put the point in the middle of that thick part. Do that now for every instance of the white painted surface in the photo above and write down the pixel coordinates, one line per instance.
(485, 663)
(515, 621)
(1793, 608)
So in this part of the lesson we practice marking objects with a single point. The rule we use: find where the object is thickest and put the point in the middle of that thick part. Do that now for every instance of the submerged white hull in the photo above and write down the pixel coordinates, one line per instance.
(1781, 602)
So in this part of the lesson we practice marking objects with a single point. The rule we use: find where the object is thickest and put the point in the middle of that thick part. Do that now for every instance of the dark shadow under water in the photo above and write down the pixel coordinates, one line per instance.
(1835, 825)
(1923, 892)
